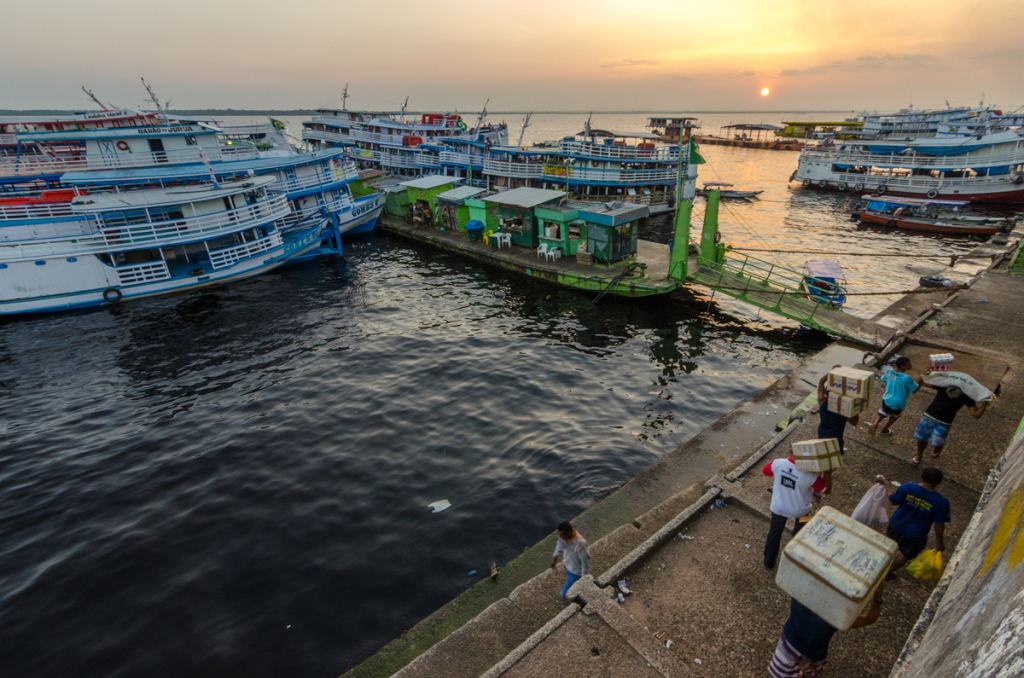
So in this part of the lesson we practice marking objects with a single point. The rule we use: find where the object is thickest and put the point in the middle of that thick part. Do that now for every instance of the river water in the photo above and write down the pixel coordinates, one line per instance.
(235, 482)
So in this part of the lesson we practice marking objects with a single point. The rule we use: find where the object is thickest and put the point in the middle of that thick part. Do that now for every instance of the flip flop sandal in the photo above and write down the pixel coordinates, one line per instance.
(914, 461)
(935, 456)
(887, 433)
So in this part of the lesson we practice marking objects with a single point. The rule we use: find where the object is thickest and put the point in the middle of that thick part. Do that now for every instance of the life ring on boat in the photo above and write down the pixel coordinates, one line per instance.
(595, 163)
(822, 183)
(858, 187)
(841, 186)
(112, 295)
(932, 193)
(807, 182)
(122, 145)
(882, 188)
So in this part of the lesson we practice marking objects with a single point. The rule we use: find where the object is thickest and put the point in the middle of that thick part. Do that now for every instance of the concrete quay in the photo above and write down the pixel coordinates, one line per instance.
(679, 532)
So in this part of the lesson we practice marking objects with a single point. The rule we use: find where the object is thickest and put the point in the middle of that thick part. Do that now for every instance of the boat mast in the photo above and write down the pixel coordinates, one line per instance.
(480, 120)
(155, 101)
(96, 101)
(344, 97)
(526, 123)
(405, 106)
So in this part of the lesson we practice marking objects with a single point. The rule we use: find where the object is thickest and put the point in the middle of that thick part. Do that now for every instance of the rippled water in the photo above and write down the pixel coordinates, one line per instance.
(235, 482)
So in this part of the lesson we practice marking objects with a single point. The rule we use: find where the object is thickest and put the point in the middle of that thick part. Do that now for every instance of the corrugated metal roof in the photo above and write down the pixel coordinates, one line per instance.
(460, 193)
(429, 182)
(524, 197)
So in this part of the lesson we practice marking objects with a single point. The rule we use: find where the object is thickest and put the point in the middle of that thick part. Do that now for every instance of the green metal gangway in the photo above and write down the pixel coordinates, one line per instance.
(768, 286)
(1016, 265)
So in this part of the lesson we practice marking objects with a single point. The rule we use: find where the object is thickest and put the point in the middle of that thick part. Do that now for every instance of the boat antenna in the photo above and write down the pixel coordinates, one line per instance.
(480, 120)
(156, 102)
(586, 127)
(526, 123)
(96, 101)
(344, 97)
(405, 106)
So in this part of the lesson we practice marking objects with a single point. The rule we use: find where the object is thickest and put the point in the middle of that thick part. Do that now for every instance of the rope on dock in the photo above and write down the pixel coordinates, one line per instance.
(802, 293)
(862, 254)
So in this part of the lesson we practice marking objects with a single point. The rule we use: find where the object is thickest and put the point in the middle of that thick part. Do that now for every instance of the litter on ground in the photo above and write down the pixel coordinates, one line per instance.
(439, 506)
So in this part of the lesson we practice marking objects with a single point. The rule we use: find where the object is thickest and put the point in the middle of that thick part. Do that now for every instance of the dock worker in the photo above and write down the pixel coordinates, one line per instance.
(791, 498)
(803, 646)
(575, 555)
(919, 509)
(933, 428)
(898, 387)
(831, 424)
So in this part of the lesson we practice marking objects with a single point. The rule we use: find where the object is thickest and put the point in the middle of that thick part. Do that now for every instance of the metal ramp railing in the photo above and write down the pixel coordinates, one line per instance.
(1016, 265)
(778, 288)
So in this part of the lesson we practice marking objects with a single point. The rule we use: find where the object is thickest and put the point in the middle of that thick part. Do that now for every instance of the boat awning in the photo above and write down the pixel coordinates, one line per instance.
(818, 268)
(525, 197)
(621, 135)
(914, 201)
(460, 193)
(754, 128)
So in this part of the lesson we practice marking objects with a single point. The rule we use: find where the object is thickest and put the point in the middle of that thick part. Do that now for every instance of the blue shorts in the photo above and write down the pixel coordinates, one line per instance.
(932, 431)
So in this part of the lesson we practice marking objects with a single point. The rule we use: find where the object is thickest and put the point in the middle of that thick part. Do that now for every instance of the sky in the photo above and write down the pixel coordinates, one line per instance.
(550, 55)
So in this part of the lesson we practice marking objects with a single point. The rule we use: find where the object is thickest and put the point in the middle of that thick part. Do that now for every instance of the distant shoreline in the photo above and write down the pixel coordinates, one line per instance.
(310, 112)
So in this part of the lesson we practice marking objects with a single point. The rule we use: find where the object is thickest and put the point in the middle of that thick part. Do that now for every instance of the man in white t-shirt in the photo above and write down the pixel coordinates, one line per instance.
(791, 498)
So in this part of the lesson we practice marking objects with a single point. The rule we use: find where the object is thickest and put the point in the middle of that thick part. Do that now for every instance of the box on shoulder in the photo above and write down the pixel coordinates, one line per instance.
(834, 565)
(849, 382)
(817, 456)
(846, 406)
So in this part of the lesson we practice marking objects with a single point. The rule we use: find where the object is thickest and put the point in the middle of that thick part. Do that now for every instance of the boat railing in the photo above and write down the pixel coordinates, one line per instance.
(873, 180)
(332, 207)
(618, 152)
(623, 176)
(456, 158)
(321, 135)
(27, 165)
(428, 160)
(151, 271)
(347, 173)
(375, 137)
(513, 169)
(914, 160)
(229, 256)
(115, 235)
(37, 211)
(387, 158)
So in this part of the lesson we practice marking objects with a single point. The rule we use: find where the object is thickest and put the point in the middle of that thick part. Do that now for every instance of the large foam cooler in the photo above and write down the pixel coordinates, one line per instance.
(849, 382)
(818, 455)
(834, 565)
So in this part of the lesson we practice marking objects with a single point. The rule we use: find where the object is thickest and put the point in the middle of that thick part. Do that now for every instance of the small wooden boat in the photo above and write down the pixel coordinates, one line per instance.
(728, 194)
(929, 216)
(824, 283)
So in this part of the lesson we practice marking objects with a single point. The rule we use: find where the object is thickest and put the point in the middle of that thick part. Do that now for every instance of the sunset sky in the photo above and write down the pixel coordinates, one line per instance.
(568, 55)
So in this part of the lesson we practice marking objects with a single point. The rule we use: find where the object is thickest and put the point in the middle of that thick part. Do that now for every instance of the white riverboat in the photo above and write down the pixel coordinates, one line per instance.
(63, 251)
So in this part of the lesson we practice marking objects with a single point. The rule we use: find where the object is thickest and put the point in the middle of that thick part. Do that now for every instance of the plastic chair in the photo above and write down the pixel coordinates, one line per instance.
(553, 253)
(504, 239)
(542, 251)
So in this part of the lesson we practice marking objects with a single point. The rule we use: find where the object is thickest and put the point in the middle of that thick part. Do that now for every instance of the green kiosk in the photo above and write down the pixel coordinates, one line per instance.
(513, 212)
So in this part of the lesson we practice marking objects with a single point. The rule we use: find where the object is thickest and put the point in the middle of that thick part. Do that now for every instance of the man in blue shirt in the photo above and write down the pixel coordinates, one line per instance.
(898, 387)
(919, 507)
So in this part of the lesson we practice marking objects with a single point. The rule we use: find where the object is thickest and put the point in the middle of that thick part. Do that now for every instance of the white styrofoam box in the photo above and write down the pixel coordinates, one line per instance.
(818, 455)
(834, 565)
(850, 382)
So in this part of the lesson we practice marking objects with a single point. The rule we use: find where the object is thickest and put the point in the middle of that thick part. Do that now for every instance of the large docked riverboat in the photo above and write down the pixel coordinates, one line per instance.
(72, 249)
(965, 166)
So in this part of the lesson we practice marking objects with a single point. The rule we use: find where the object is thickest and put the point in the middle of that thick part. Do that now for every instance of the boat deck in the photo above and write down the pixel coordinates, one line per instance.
(564, 271)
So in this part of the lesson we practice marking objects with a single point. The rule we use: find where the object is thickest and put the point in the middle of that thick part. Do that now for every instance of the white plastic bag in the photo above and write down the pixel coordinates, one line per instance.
(965, 382)
(873, 509)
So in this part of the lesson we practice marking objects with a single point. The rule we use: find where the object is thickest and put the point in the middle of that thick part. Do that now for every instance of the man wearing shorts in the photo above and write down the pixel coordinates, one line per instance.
(934, 425)
(919, 507)
(898, 387)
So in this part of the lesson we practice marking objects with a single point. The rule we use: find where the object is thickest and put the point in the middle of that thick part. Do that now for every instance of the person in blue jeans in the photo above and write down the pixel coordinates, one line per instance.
(898, 387)
(938, 417)
(919, 507)
(575, 556)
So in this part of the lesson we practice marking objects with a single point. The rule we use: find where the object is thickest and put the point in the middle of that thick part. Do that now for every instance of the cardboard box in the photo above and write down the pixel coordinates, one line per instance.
(849, 382)
(941, 362)
(818, 455)
(834, 565)
(848, 407)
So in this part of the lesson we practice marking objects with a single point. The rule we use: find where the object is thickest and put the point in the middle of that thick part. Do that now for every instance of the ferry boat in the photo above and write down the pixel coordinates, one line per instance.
(73, 249)
(929, 216)
(597, 166)
(982, 167)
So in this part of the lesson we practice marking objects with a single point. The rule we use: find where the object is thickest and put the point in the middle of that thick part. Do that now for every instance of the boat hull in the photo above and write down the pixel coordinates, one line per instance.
(927, 225)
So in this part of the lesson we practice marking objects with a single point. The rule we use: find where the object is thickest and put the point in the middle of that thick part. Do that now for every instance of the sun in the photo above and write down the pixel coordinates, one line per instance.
(764, 92)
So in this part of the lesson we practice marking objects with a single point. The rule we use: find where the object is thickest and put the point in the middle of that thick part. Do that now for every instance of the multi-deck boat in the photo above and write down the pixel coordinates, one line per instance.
(982, 167)
(69, 249)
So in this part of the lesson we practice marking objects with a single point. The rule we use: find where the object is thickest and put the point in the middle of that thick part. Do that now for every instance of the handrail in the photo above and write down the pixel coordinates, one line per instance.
(37, 164)
(151, 271)
(232, 255)
(348, 173)
(321, 135)
(963, 160)
(114, 237)
(36, 211)
(587, 149)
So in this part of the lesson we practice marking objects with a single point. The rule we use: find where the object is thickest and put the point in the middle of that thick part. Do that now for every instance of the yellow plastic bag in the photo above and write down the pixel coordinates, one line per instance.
(927, 565)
